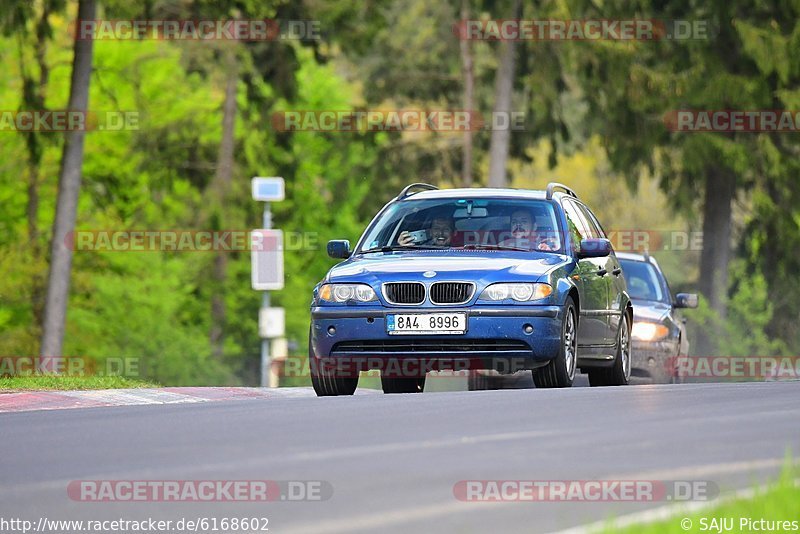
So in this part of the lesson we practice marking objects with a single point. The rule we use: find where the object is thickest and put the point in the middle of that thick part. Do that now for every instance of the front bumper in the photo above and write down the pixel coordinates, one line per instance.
(495, 337)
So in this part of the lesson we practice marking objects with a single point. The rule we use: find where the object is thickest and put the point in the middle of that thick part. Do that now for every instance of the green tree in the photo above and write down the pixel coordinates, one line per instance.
(663, 76)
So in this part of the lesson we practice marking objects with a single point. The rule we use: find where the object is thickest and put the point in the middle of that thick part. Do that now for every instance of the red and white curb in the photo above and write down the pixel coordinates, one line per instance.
(26, 401)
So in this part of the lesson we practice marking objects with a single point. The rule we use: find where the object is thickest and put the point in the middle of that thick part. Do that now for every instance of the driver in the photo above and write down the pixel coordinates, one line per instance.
(524, 233)
(439, 234)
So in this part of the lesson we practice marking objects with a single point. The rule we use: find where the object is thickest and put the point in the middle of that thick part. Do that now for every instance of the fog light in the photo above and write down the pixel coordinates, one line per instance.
(331, 330)
(528, 328)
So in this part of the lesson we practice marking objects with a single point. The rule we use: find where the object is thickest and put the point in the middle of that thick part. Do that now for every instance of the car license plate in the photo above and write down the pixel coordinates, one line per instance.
(426, 323)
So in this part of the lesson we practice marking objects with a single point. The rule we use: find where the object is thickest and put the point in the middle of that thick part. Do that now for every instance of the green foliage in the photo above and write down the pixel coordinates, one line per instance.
(10, 384)
(749, 313)
(152, 318)
(154, 306)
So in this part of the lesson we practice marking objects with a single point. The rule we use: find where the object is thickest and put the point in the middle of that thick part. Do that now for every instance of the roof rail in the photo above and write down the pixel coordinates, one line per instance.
(555, 185)
(406, 192)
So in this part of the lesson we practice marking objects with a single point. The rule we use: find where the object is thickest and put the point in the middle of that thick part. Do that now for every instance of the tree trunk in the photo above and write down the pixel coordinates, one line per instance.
(34, 98)
(69, 185)
(720, 188)
(32, 214)
(504, 85)
(220, 190)
(469, 105)
(34, 163)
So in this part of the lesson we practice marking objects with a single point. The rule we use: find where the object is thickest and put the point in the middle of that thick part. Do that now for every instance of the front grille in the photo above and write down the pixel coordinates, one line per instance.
(430, 346)
(404, 292)
(451, 292)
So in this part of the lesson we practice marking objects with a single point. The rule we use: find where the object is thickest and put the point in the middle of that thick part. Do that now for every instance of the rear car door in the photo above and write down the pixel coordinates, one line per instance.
(593, 322)
(615, 282)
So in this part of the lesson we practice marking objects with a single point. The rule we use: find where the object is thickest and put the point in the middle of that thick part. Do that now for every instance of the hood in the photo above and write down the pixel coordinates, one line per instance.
(472, 265)
(648, 310)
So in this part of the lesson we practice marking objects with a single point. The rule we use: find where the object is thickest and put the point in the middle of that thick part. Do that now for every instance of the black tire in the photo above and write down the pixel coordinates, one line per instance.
(618, 374)
(560, 371)
(402, 385)
(599, 378)
(325, 379)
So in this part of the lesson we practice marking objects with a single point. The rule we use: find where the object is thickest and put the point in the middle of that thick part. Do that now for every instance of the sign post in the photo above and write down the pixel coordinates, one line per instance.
(266, 260)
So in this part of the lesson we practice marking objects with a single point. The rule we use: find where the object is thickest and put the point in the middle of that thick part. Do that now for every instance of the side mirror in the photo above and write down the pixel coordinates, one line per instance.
(686, 300)
(596, 247)
(339, 249)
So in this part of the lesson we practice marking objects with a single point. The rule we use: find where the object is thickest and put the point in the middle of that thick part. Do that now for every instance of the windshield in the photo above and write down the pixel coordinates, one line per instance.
(643, 280)
(464, 223)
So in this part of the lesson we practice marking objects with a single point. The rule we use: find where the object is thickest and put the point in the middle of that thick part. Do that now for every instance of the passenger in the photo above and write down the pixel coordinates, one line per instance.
(439, 234)
(524, 233)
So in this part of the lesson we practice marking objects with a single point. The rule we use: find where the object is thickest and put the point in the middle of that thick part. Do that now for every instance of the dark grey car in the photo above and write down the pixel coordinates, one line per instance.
(659, 333)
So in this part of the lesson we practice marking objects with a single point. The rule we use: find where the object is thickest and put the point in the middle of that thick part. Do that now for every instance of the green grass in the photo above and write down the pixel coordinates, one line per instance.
(57, 382)
(778, 501)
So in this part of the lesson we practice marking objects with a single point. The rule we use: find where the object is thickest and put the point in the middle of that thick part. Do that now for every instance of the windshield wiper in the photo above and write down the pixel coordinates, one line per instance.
(394, 248)
(497, 247)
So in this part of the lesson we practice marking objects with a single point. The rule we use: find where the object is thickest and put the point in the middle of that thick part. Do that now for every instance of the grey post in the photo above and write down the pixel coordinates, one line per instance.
(265, 362)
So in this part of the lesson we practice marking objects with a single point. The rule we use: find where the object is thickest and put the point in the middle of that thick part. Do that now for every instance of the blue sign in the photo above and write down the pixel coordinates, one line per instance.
(268, 189)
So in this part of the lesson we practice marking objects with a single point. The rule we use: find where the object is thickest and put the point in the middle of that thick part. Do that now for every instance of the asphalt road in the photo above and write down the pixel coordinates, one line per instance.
(393, 460)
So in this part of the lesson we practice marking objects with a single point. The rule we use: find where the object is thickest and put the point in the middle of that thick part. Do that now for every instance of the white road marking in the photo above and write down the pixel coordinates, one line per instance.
(103, 398)
(132, 397)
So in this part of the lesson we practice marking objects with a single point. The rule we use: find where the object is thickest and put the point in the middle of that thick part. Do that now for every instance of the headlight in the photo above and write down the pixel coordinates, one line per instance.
(644, 331)
(520, 292)
(347, 292)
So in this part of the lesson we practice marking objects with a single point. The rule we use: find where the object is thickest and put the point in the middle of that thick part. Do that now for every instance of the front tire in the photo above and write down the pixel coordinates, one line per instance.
(620, 373)
(560, 371)
(325, 378)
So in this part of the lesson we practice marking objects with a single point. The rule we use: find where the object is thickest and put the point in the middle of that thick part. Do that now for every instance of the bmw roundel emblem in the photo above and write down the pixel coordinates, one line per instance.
(429, 274)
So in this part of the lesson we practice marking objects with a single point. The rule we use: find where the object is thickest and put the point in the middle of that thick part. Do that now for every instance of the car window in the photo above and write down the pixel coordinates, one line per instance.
(576, 225)
(643, 281)
(594, 226)
(463, 223)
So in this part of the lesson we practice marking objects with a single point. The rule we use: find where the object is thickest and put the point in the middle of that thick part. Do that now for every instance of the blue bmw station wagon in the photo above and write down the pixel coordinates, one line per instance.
(500, 279)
